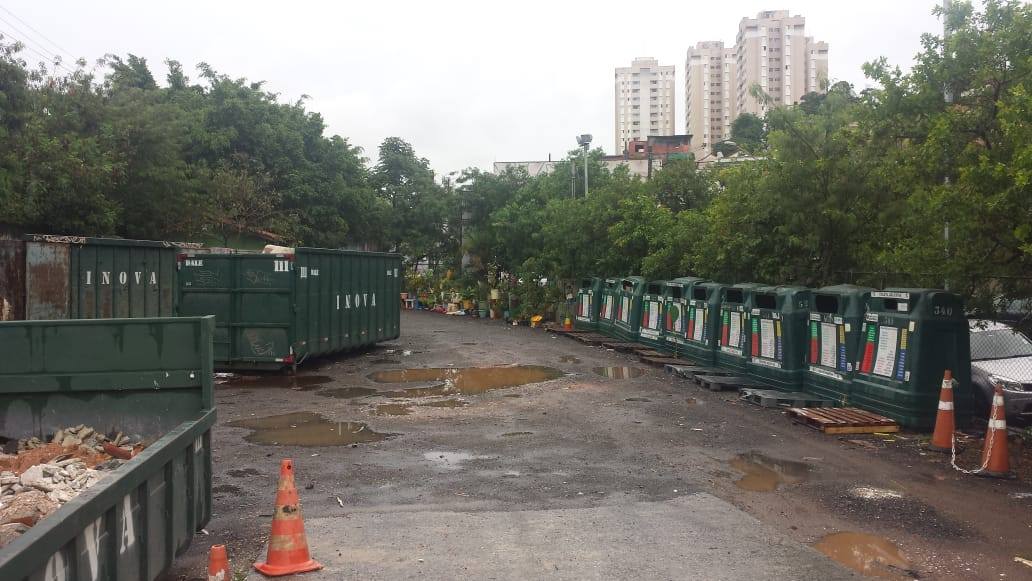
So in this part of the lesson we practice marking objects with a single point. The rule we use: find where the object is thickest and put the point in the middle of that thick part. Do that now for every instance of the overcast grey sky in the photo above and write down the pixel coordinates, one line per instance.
(467, 83)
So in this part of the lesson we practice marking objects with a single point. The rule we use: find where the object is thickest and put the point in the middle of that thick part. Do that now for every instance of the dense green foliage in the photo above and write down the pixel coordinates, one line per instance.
(846, 187)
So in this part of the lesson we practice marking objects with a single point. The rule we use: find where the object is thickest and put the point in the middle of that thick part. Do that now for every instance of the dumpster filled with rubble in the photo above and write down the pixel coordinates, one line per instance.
(105, 468)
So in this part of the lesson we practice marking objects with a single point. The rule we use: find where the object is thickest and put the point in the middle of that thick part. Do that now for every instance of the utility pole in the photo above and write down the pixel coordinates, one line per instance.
(947, 94)
(585, 141)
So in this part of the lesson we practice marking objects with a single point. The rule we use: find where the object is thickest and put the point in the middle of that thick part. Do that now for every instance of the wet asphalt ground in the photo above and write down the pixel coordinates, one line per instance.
(597, 467)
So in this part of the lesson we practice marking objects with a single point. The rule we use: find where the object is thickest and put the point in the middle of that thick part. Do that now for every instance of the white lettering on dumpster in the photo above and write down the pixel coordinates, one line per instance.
(91, 537)
(105, 278)
(128, 530)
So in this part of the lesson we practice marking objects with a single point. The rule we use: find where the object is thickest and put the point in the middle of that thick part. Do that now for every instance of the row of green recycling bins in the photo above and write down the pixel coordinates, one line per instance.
(880, 350)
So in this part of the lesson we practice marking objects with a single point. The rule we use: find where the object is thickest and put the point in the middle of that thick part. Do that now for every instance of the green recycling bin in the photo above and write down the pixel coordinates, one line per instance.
(586, 314)
(777, 335)
(610, 296)
(702, 332)
(677, 295)
(628, 308)
(650, 330)
(909, 338)
(836, 317)
(735, 308)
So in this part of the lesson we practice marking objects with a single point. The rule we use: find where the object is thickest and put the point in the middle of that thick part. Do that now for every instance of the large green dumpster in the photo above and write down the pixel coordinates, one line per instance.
(777, 335)
(273, 310)
(702, 332)
(150, 379)
(735, 308)
(909, 337)
(610, 296)
(588, 295)
(628, 308)
(650, 329)
(676, 298)
(834, 327)
(45, 277)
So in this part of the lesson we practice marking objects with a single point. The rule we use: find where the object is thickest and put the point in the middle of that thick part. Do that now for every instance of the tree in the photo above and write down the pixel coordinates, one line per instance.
(680, 185)
(748, 132)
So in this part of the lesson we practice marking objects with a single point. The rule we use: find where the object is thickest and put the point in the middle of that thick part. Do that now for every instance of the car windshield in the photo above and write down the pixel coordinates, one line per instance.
(999, 344)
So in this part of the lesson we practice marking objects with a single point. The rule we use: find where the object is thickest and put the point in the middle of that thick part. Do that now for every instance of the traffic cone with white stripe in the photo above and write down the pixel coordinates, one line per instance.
(288, 546)
(995, 456)
(945, 424)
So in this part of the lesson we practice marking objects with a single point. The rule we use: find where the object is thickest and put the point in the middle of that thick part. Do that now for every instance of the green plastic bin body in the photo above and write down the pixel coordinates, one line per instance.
(73, 277)
(676, 298)
(653, 306)
(777, 335)
(909, 338)
(628, 308)
(735, 309)
(273, 310)
(148, 378)
(834, 331)
(703, 324)
(610, 296)
(586, 318)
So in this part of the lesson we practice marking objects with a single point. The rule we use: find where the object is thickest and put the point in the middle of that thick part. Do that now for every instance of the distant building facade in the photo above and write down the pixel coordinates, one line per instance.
(644, 101)
(711, 94)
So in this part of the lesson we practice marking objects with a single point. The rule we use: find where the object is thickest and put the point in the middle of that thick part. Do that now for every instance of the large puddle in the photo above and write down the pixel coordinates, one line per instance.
(466, 381)
(867, 554)
(765, 474)
(347, 392)
(619, 372)
(306, 429)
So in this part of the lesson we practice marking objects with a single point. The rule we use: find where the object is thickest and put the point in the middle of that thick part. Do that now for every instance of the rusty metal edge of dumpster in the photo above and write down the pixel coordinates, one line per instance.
(27, 554)
(84, 240)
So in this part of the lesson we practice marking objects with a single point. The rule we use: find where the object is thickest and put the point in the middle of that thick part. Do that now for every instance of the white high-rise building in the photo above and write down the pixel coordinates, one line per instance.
(710, 93)
(644, 101)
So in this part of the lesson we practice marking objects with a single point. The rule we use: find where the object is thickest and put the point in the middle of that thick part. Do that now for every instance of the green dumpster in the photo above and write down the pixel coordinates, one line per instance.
(650, 329)
(588, 296)
(677, 295)
(628, 308)
(834, 328)
(909, 337)
(275, 310)
(702, 332)
(150, 379)
(777, 335)
(735, 308)
(610, 296)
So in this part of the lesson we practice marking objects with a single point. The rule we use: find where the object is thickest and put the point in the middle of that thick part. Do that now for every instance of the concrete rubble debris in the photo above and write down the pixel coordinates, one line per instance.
(44, 475)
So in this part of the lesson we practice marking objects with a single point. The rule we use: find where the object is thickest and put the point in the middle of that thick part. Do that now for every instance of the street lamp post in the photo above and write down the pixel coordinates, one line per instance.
(585, 141)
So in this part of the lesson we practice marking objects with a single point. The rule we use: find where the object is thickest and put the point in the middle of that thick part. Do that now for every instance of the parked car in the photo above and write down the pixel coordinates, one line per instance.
(1002, 356)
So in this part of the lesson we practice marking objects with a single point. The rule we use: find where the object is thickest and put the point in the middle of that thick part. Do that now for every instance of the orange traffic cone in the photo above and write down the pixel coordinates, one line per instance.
(218, 564)
(995, 457)
(288, 547)
(942, 437)
(567, 324)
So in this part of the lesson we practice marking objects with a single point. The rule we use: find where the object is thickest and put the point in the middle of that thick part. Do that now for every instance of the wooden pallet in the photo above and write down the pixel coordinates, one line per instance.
(722, 382)
(769, 398)
(661, 361)
(590, 339)
(694, 372)
(679, 369)
(649, 352)
(843, 420)
(622, 346)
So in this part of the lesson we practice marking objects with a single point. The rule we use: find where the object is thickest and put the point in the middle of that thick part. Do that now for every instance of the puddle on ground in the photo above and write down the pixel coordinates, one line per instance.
(466, 381)
(306, 429)
(637, 399)
(514, 434)
(385, 361)
(299, 382)
(445, 403)
(242, 472)
(619, 372)
(867, 554)
(569, 359)
(226, 489)
(471, 343)
(346, 392)
(765, 474)
(392, 409)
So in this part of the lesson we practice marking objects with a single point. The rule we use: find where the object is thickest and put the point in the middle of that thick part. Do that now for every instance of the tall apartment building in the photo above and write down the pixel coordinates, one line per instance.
(644, 101)
(773, 51)
(710, 92)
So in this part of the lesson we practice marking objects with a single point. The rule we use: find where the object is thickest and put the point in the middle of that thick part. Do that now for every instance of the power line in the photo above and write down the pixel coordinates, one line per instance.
(43, 36)
(52, 58)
